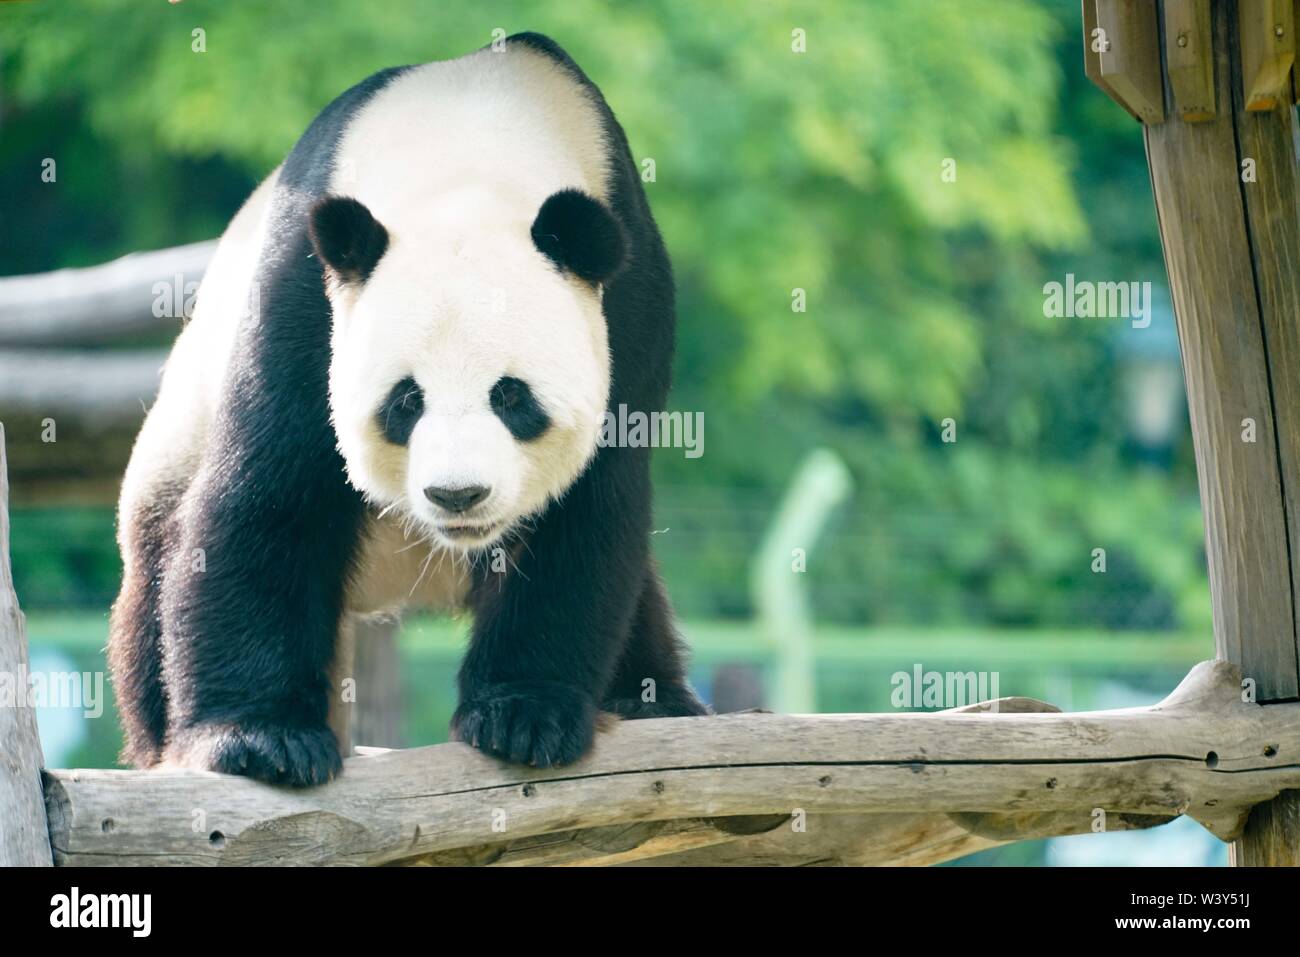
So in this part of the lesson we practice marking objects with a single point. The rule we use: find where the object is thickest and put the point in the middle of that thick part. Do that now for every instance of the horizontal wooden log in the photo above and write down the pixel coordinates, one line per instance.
(874, 786)
(101, 303)
(94, 387)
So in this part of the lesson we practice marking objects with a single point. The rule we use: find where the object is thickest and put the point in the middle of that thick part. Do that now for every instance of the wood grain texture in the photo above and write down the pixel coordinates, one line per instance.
(1229, 210)
(914, 788)
(1092, 41)
(1212, 265)
(1130, 62)
(1270, 836)
(1272, 204)
(1267, 41)
(24, 837)
(1189, 59)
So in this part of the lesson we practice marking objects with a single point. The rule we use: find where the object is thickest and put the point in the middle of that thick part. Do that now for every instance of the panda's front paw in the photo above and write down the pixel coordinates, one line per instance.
(273, 753)
(542, 723)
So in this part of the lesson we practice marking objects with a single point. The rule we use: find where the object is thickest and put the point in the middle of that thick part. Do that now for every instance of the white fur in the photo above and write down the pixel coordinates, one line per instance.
(455, 159)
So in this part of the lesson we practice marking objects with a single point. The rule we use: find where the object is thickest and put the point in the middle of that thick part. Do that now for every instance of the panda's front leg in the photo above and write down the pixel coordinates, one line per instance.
(251, 608)
(548, 634)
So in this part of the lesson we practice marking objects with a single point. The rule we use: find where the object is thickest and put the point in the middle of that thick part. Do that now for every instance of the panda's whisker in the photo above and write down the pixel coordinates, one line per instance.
(423, 569)
(441, 558)
(515, 565)
(520, 537)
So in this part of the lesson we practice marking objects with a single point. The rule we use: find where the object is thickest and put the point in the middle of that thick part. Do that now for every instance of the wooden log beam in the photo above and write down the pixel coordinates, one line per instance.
(940, 785)
(104, 302)
(96, 388)
(24, 836)
(377, 714)
(1225, 193)
(1229, 212)
(1189, 59)
(1266, 29)
(1121, 54)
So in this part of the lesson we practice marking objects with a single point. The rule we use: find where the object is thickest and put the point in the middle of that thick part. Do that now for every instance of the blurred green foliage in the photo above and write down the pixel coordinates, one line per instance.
(775, 171)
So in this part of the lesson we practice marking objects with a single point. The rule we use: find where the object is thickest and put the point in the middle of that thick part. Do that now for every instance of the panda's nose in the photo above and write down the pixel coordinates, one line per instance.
(456, 499)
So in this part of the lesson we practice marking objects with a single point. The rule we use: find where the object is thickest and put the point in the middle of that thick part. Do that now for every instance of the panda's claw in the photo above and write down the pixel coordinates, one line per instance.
(299, 757)
(541, 724)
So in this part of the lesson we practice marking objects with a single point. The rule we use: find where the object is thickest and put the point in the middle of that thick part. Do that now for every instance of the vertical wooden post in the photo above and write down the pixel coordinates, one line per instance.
(366, 703)
(24, 832)
(1226, 197)
(377, 715)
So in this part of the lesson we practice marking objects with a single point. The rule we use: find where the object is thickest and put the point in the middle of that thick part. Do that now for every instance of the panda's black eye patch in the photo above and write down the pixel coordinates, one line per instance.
(400, 411)
(514, 404)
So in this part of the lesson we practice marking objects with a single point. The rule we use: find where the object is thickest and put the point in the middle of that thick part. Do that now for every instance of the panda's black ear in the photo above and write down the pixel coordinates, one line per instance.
(578, 232)
(347, 238)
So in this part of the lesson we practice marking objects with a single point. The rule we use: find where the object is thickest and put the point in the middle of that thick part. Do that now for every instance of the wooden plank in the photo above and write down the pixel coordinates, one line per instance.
(1189, 59)
(24, 834)
(1272, 836)
(1202, 752)
(1130, 60)
(1295, 67)
(377, 715)
(1272, 203)
(1267, 34)
(1196, 177)
(1093, 43)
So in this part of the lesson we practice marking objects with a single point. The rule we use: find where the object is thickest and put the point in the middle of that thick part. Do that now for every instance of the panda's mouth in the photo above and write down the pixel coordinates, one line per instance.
(469, 532)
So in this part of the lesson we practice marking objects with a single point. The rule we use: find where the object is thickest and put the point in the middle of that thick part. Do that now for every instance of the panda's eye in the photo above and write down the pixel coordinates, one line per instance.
(399, 413)
(514, 404)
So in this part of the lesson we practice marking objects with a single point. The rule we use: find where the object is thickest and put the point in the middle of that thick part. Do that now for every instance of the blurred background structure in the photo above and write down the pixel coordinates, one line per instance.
(863, 203)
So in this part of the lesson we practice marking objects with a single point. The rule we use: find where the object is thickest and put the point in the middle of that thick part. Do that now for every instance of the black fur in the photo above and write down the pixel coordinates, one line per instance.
(579, 625)
(582, 623)
(135, 643)
(347, 237)
(577, 233)
(517, 407)
(247, 643)
(398, 416)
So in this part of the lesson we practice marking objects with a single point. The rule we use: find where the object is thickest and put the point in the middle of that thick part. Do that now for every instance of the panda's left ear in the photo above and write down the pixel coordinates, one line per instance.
(579, 234)
(346, 237)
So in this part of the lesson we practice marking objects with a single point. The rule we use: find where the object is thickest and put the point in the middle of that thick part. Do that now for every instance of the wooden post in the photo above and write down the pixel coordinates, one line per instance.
(1226, 197)
(24, 833)
(377, 714)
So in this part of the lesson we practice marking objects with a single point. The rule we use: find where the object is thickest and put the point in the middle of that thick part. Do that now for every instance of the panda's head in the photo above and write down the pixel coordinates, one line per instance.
(470, 366)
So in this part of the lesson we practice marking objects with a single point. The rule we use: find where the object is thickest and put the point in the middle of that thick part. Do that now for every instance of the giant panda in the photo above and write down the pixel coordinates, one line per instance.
(397, 369)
